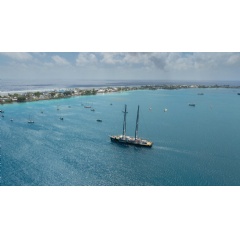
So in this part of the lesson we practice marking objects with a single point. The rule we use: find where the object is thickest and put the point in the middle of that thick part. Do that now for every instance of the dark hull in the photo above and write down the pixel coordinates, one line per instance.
(134, 143)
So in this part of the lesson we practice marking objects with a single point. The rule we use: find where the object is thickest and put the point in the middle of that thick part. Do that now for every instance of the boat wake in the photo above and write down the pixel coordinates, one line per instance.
(173, 150)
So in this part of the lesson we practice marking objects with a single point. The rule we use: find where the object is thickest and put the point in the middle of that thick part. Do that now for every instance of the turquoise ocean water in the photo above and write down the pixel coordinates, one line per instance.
(192, 145)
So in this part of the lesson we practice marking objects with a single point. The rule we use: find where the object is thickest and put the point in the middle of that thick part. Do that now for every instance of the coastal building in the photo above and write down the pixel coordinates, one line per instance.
(101, 91)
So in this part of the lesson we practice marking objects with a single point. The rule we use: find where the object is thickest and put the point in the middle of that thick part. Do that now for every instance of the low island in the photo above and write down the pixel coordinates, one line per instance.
(66, 93)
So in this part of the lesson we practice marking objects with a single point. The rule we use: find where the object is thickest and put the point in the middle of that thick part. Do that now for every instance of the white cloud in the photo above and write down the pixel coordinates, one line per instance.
(127, 58)
(19, 56)
(136, 58)
(86, 58)
(148, 60)
(125, 65)
(233, 59)
(111, 58)
(193, 61)
(60, 60)
(164, 61)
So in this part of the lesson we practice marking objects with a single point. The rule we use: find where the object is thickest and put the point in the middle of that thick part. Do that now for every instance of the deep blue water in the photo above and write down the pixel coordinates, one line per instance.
(192, 145)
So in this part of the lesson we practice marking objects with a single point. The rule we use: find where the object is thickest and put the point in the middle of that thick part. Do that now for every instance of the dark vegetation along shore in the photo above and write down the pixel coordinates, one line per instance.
(66, 93)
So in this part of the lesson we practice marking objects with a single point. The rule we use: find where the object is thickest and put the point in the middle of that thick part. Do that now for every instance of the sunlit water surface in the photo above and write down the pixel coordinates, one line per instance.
(192, 145)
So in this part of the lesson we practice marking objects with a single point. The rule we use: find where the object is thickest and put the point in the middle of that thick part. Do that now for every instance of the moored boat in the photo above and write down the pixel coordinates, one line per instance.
(124, 139)
(30, 120)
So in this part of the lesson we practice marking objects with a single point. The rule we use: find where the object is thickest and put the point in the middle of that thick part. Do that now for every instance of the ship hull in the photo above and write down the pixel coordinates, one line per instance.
(131, 141)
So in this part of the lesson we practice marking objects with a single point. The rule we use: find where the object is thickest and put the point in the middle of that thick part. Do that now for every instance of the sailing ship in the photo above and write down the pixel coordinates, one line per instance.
(124, 139)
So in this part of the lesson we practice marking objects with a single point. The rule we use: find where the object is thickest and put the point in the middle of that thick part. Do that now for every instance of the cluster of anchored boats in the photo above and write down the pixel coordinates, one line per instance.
(123, 138)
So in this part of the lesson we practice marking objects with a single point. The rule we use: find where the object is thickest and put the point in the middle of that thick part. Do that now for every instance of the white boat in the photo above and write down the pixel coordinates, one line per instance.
(30, 121)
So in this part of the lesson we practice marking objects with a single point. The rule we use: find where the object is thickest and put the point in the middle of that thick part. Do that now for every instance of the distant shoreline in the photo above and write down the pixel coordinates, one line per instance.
(37, 95)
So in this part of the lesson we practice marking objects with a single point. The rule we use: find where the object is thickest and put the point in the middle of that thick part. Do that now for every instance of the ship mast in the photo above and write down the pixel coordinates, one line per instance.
(136, 130)
(124, 122)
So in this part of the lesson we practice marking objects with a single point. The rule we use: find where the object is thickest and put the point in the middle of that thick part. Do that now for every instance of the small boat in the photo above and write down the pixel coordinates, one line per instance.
(88, 105)
(165, 110)
(30, 121)
(238, 93)
(11, 119)
(99, 120)
(1, 111)
(200, 94)
(61, 118)
(191, 104)
(92, 109)
(135, 141)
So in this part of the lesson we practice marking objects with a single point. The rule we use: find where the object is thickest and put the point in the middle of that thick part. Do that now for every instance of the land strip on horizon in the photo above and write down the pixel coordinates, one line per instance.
(66, 93)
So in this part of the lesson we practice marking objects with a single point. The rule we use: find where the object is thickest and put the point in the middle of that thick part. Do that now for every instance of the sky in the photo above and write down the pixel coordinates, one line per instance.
(77, 68)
